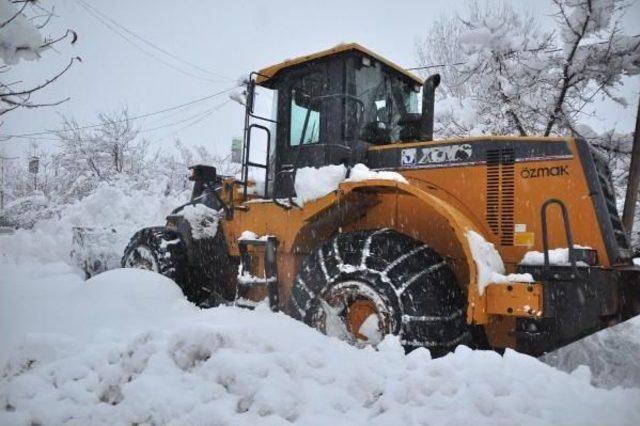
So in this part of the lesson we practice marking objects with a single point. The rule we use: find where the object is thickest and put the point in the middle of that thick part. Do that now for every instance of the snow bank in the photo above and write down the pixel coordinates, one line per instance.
(315, 182)
(489, 263)
(559, 256)
(110, 207)
(125, 348)
(611, 354)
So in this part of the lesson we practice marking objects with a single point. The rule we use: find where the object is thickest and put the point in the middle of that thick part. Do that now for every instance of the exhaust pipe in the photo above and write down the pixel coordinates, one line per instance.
(428, 101)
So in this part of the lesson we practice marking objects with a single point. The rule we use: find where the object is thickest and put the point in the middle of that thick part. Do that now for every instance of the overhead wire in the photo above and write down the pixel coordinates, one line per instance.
(149, 43)
(140, 48)
(205, 115)
(173, 108)
(196, 116)
(199, 115)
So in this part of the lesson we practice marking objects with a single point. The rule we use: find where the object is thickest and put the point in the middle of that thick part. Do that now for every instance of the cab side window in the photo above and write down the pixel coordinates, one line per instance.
(306, 115)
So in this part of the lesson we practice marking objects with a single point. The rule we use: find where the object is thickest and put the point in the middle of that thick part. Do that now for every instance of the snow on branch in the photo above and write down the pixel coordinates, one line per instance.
(21, 39)
(512, 77)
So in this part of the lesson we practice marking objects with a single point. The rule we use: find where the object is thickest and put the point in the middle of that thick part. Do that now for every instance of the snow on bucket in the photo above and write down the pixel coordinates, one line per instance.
(91, 249)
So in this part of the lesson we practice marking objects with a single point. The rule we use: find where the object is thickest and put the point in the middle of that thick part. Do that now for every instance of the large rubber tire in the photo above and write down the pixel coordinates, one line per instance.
(414, 287)
(161, 250)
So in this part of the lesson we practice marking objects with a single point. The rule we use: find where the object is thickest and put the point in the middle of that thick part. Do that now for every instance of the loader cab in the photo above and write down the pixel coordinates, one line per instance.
(332, 106)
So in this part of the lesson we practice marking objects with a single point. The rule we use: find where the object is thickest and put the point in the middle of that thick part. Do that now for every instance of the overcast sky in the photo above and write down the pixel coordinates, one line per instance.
(228, 39)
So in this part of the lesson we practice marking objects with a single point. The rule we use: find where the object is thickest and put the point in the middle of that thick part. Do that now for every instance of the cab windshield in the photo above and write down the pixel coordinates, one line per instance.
(387, 99)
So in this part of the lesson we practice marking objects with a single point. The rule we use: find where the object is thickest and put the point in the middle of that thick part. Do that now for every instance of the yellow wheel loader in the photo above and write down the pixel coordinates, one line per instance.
(459, 246)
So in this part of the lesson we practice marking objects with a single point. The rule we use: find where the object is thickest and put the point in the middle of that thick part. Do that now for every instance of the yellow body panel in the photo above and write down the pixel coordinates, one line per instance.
(437, 206)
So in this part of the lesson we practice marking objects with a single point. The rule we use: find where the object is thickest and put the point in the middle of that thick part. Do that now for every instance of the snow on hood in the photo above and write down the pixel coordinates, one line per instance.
(316, 182)
(313, 182)
(126, 348)
(360, 172)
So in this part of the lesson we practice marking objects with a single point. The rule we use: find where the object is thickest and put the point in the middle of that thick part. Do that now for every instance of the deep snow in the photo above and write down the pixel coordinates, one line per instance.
(125, 347)
(111, 207)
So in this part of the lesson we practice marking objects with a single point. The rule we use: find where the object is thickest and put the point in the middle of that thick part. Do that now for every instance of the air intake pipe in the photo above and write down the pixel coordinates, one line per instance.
(428, 101)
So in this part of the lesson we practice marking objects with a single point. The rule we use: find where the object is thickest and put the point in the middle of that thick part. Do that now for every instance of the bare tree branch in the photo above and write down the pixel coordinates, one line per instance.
(74, 38)
(18, 13)
(8, 96)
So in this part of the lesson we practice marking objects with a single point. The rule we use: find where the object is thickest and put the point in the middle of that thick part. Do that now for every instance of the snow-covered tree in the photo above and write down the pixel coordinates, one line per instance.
(113, 153)
(511, 77)
(108, 148)
(21, 23)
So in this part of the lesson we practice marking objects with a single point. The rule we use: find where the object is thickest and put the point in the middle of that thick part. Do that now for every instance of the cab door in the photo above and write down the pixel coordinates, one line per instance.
(310, 121)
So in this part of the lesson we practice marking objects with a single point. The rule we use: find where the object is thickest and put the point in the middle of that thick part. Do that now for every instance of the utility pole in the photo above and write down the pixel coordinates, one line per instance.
(634, 180)
(34, 165)
(2, 160)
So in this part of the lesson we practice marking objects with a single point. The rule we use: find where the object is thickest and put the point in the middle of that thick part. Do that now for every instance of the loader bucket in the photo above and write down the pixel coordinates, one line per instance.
(90, 250)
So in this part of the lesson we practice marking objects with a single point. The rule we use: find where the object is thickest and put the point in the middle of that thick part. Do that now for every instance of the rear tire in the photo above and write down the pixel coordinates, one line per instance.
(160, 250)
(407, 286)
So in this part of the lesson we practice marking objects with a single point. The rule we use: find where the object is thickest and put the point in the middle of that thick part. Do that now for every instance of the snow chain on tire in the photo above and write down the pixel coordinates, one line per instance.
(426, 306)
(169, 255)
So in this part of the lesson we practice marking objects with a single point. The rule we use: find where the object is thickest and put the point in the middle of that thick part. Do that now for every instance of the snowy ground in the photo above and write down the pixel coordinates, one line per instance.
(125, 347)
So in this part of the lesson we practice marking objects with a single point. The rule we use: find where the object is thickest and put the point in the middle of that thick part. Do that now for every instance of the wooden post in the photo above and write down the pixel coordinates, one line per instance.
(2, 160)
(634, 179)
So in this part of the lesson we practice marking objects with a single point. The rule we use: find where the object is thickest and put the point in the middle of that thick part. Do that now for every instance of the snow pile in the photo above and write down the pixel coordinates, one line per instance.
(611, 354)
(92, 249)
(489, 263)
(125, 347)
(360, 172)
(370, 329)
(559, 256)
(26, 211)
(312, 182)
(203, 220)
(250, 235)
(511, 278)
(316, 182)
(115, 206)
(19, 38)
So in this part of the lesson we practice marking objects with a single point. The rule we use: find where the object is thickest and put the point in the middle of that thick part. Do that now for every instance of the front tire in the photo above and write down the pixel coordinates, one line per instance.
(160, 250)
(362, 285)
